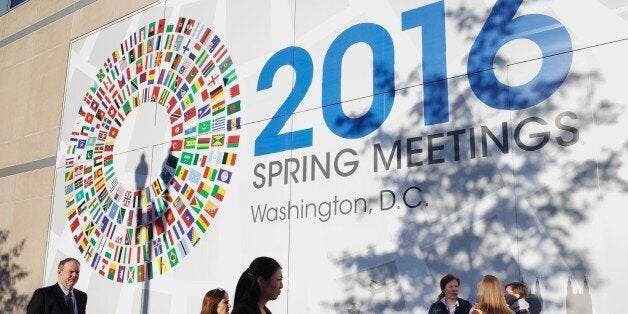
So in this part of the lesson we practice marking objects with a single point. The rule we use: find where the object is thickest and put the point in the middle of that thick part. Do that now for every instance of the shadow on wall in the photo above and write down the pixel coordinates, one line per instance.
(10, 273)
(501, 209)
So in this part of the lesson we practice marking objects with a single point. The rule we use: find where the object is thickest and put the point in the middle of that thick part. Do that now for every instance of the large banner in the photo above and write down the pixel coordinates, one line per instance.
(371, 147)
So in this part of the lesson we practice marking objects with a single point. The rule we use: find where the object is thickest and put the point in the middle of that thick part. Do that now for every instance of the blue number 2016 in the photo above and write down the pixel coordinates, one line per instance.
(377, 38)
(270, 140)
(500, 28)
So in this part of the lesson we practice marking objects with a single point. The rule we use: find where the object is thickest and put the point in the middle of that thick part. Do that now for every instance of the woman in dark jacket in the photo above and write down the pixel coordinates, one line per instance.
(516, 294)
(448, 299)
(258, 284)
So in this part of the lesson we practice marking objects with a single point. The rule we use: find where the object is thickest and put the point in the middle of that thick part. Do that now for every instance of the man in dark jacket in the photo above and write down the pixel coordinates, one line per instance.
(60, 298)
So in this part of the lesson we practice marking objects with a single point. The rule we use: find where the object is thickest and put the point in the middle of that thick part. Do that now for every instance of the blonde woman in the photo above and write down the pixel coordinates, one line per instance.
(490, 297)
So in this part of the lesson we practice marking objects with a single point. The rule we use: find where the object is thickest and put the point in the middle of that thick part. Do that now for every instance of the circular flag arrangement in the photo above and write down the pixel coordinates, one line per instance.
(131, 235)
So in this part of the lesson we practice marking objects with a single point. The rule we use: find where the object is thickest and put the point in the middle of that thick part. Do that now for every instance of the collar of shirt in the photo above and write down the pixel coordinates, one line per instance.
(65, 291)
(445, 302)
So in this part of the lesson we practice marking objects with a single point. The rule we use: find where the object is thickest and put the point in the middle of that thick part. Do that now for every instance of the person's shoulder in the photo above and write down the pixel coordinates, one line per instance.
(243, 308)
(436, 307)
(436, 304)
(464, 303)
(48, 289)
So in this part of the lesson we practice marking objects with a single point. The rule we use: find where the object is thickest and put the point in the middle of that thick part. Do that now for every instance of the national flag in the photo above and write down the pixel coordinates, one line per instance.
(157, 247)
(103, 267)
(207, 69)
(215, 157)
(180, 24)
(69, 175)
(166, 176)
(160, 25)
(210, 208)
(229, 159)
(233, 107)
(233, 141)
(218, 124)
(200, 60)
(173, 258)
(188, 158)
(177, 129)
(225, 65)
(188, 27)
(229, 78)
(214, 43)
(190, 142)
(193, 236)
(203, 143)
(198, 84)
(186, 64)
(218, 107)
(191, 75)
(176, 114)
(157, 189)
(203, 189)
(161, 264)
(190, 131)
(194, 176)
(218, 192)
(187, 217)
(176, 145)
(234, 90)
(204, 127)
(181, 173)
(151, 29)
(75, 223)
(202, 223)
(121, 273)
(224, 176)
(112, 270)
(183, 247)
(218, 140)
(210, 173)
(172, 162)
(191, 113)
(169, 215)
(204, 111)
(216, 94)
(196, 204)
(233, 124)
(159, 226)
(220, 53)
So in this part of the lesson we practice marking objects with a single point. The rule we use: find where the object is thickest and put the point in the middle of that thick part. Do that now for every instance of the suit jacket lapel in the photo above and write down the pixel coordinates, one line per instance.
(60, 297)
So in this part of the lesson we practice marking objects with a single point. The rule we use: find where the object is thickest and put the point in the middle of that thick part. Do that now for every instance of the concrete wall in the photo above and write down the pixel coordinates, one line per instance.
(34, 45)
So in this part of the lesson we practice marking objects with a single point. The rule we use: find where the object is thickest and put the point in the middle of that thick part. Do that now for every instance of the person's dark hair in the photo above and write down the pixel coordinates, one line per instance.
(247, 287)
(67, 260)
(443, 282)
(211, 300)
(518, 288)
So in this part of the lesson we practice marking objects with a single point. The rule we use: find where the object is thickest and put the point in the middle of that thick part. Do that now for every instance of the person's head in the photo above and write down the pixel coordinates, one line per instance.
(262, 281)
(518, 289)
(216, 301)
(490, 296)
(449, 287)
(68, 272)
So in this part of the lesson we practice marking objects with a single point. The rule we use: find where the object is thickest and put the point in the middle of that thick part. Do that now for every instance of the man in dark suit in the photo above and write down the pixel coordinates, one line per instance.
(60, 298)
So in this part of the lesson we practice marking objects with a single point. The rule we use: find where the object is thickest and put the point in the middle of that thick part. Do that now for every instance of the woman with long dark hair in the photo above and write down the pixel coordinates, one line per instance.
(448, 300)
(216, 301)
(258, 284)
